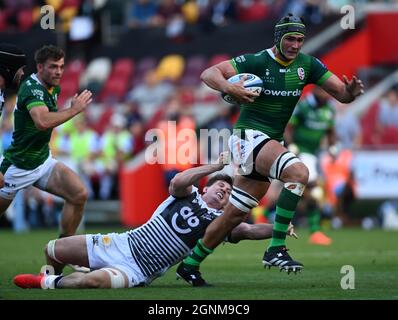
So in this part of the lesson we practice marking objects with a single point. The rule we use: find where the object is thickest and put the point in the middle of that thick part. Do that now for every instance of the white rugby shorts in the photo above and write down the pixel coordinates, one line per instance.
(16, 179)
(112, 250)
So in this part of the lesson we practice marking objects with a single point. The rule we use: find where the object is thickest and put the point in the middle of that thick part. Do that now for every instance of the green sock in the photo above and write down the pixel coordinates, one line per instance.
(314, 220)
(285, 208)
(198, 254)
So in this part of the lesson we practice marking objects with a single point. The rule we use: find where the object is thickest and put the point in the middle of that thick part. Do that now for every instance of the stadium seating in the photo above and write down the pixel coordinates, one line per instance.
(217, 58)
(124, 67)
(117, 84)
(143, 66)
(194, 67)
(70, 80)
(171, 67)
(3, 20)
(25, 19)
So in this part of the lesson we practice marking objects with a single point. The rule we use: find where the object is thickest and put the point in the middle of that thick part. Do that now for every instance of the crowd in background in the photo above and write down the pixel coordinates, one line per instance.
(172, 14)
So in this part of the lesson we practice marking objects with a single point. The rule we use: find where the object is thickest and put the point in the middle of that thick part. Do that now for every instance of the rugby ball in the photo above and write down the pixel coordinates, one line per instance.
(252, 83)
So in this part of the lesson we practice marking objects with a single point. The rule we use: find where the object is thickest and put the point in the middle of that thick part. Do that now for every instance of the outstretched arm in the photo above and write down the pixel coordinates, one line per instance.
(44, 119)
(344, 91)
(181, 184)
(259, 231)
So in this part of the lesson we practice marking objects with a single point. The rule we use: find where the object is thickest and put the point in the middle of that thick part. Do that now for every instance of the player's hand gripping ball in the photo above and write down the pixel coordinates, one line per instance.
(252, 83)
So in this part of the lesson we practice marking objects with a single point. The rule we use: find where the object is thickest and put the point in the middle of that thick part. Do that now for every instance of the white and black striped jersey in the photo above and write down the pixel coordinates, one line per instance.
(171, 233)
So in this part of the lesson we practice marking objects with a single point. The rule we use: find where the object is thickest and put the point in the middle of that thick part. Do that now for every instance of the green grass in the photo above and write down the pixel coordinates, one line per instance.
(235, 270)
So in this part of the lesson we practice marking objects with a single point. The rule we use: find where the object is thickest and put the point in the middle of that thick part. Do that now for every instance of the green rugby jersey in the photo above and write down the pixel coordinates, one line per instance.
(283, 85)
(311, 123)
(30, 147)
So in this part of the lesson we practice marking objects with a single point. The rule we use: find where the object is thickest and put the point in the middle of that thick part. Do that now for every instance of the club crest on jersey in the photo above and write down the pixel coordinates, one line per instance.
(106, 240)
(301, 73)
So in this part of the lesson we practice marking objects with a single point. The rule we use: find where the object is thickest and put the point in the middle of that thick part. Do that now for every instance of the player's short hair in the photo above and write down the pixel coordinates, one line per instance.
(48, 52)
(220, 177)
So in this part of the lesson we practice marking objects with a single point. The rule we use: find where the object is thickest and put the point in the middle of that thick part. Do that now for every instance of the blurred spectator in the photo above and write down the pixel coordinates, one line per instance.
(83, 32)
(7, 127)
(222, 123)
(339, 184)
(167, 10)
(223, 12)
(116, 147)
(150, 94)
(137, 131)
(132, 112)
(83, 148)
(191, 12)
(387, 119)
(388, 112)
(252, 10)
(388, 214)
(171, 67)
(312, 11)
(178, 140)
(142, 13)
(348, 128)
(216, 13)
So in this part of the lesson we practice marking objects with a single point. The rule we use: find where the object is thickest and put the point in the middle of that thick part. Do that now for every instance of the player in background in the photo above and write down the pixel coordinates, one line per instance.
(137, 257)
(12, 62)
(28, 160)
(257, 142)
(311, 122)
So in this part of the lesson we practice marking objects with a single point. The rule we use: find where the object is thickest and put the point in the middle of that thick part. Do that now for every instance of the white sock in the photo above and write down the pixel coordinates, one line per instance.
(48, 282)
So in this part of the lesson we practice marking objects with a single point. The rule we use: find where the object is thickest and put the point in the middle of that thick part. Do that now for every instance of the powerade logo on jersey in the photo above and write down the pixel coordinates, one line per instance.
(282, 93)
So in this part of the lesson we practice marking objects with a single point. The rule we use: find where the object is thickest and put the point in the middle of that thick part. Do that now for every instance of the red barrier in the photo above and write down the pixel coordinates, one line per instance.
(383, 28)
(142, 189)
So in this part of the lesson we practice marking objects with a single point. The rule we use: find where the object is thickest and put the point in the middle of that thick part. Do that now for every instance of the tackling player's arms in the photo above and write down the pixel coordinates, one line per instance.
(181, 184)
(259, 231)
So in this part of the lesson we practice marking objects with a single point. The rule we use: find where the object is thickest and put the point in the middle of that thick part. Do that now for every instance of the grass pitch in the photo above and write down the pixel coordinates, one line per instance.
(235, 271)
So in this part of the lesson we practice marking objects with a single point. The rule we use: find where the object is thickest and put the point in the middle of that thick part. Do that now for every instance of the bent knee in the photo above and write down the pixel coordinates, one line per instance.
(52, 250)
(298, 172)
(80, 197)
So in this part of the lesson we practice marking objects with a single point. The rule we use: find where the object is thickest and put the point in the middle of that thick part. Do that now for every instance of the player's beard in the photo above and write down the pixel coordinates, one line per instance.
(51, 82)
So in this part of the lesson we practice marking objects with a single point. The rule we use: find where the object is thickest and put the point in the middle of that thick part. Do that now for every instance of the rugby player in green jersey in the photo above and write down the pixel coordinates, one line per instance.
(12, 62)
(257, 142)
(311, 122)
(28, 160)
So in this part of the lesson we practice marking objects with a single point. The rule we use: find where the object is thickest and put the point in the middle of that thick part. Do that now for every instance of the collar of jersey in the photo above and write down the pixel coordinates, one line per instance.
(281, 62)
(34, 77)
